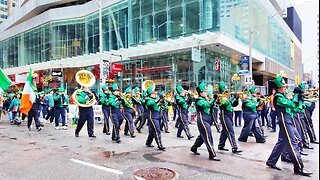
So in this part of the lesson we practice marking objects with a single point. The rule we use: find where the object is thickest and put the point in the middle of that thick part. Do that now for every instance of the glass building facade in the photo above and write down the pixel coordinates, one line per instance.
(137, 22)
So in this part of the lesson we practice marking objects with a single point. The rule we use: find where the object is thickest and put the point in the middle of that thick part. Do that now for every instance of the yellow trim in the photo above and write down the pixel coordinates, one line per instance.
(207, 136)
(307, 119)
(302, 128)
(114, 127)
(184, 125)
(155, 130)
(230, 139)
(294, 153)
(128, 122)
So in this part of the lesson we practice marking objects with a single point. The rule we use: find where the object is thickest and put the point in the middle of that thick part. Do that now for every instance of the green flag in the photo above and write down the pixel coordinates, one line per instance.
(5, 82)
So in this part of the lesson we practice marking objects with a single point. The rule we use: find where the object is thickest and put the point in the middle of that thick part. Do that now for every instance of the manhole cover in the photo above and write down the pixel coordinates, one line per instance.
(154, 173)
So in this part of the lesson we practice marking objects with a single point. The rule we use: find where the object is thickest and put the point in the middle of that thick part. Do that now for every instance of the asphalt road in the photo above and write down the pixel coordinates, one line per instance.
(58, 154)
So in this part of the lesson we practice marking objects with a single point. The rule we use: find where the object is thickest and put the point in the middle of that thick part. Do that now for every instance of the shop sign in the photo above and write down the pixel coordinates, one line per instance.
(196, 55)
(57, 73)
(104, 69)
(116, 67)
(217, 65)
(244, 65)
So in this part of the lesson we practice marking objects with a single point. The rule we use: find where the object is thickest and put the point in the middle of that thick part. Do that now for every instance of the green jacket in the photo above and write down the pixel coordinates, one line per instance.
(227, 103)
(14, 102)
(113, 101)
(251, 104)
(285, 103)
(152, 103)
(182, 101)
(204, 104)
(50, 101)
(104, 99)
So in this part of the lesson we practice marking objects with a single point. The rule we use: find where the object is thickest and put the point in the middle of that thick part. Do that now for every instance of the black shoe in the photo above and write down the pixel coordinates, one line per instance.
(251, 134)
(38, 128)
(304, 153)
(273, 166)
(307, 147)
(242, 140)
(139, 130)
(126, 134)
(161, 148)
(303, 173)
(223, 149)
(272, 131)
(104, 131)
(167, 132)
(190, 137)
(236, 151)
(180, 136)
(133, 136)
(314, 142)
(195, 151)
(286, 160)
(92, 136)
(76, 134)
(118, 141)
(150, 145)
(215, 158)
(108, 133)
(263, 141)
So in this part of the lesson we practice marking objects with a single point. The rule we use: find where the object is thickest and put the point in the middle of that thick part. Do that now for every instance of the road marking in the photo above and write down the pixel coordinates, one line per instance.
(98, 167)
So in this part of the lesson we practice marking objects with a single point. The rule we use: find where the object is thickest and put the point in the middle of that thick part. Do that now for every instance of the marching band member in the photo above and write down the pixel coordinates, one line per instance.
(104, 96)
(115, 112)
(84, 96)
(183, 103)
(154, 119)
(145, 113)
(164, 113)
(226, 114)
(309, 106)
(204, 120)
(249, 108)
(137, 101)
(286, 139)
(60, 102)
(128, 113)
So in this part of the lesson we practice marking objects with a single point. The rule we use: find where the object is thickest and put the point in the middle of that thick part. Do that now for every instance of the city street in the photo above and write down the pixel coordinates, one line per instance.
(58, 154)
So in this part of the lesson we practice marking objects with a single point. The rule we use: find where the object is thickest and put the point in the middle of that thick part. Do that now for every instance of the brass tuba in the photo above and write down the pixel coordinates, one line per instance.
(147, 83)
(86, 79)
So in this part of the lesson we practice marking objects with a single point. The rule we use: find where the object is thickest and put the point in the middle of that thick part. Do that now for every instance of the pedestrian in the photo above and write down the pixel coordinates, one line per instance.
(238, 114)
(60, 103)
(204, 120)
(286, 140)
(14, 109)
(50, 105)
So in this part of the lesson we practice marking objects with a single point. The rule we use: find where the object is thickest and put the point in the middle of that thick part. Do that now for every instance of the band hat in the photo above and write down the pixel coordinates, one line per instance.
(279, 81)
(105, 87)
(115, 87)
(222, 86)
(61, 89)
(302, 85)
(179, 89)
(49, 91)
(253, 89)
(150, 90)
(201, 88)
(129, 90)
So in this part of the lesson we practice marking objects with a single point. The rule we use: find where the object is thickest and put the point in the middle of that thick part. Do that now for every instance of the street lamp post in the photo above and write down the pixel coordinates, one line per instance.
(103, 79)
(121, 78)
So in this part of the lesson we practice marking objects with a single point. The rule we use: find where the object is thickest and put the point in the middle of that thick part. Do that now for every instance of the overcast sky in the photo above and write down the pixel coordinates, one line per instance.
(308, 10)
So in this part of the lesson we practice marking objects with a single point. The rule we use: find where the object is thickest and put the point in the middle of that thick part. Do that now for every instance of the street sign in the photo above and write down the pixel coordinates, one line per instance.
(244, 66)
(247, 80)
(57, 73)
(104, 69)
(196, 55)
(217, 65)
(116, 67)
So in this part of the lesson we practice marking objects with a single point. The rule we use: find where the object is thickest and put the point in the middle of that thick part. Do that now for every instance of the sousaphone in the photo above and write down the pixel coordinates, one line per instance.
(85, 79)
